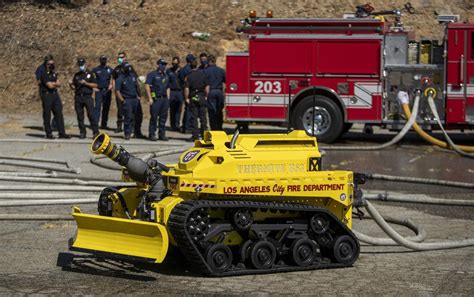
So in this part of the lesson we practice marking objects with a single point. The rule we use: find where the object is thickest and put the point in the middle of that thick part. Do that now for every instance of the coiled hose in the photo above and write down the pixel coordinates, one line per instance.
(65, 181)
(431, 139)
(416, 198)
(417, 246)
(403, 98)
(454, 146)
(420, 180)
(419, 231)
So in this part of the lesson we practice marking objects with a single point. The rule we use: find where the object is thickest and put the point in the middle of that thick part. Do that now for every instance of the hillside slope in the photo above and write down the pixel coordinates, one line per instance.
(158, 29)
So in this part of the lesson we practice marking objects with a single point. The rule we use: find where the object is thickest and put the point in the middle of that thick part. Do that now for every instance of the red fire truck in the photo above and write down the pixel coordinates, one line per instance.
(323, 75)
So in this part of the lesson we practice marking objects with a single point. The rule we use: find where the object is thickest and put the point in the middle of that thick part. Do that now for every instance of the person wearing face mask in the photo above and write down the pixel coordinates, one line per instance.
(157, 87)
(39, 71)
(49, 84)
(83, 83)
(127, 91)
(103, 93)
(216, 78)
(204, 61)
(116, 73)
(176, 95)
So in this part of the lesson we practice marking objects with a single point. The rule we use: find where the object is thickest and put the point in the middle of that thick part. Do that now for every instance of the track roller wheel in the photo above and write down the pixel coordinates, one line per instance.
(345, 250)
(242, 219)
(319, 223)
(219, 257)
(262, 255)
(244, 250)
(304, 252)
(198, 224)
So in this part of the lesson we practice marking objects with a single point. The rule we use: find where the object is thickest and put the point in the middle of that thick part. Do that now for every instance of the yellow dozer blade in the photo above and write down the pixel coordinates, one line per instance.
(120, 236)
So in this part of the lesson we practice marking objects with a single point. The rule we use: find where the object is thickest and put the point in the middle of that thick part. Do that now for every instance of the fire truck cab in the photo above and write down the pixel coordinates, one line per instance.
(323, 75)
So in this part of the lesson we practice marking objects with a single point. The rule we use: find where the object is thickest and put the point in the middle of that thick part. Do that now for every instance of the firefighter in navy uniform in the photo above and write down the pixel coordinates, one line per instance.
(176, 95)
(38, 72)
(186, 123)
(127, 91)
(51, 101)
(83, 83)
(203, 60)
(103, 95)
(116, 73)
(216, 79)
(157, 87)
(41, 69)
(195, 92)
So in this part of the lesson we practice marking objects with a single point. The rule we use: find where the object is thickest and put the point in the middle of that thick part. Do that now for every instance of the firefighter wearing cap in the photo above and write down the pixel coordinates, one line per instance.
(186, 123)
(128, 93)
(38, 73)
(216, 79)
(176, 95)
(49, 84)
(157, 87)
(103, 94)
(83, 83)
(203, 60)
(116, 73)
(196, 91)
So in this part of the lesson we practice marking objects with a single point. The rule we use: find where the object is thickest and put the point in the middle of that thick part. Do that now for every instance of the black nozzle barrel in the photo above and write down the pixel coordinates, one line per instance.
(115, 152)
(138, 170)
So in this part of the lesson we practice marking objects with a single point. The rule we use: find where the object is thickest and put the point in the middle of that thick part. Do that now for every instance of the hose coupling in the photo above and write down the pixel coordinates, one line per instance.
(382, 196)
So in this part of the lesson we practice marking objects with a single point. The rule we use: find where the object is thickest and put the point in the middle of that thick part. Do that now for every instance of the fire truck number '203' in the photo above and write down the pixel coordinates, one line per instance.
(323, 75)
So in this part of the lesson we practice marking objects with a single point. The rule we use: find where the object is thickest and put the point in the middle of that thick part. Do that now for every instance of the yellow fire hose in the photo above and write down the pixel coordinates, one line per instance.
(429, 138)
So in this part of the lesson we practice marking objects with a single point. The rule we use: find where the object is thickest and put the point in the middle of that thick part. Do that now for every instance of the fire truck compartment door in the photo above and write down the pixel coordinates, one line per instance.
(268, 99)
(470, 76)
(460, 75)
(237, 89)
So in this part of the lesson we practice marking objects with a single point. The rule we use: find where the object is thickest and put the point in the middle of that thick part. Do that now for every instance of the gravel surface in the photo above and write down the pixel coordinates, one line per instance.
(35, 258)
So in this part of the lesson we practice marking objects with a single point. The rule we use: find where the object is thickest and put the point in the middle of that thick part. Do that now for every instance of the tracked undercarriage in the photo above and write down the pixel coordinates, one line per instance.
(228, 238)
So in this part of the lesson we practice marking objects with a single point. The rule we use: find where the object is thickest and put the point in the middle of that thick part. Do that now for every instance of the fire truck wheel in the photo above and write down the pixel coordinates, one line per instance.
(325, 116)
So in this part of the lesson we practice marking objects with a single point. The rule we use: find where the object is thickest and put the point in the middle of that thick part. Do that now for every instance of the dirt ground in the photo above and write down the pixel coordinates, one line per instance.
(35, 258)
(32, 28)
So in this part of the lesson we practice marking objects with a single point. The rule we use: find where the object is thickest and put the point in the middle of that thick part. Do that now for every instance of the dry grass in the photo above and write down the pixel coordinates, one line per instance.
(159, 29)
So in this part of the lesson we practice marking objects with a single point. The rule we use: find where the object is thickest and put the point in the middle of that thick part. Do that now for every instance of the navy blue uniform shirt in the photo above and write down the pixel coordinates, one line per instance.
(103, 75)
(118, 71)
(184, 73)
(82, 89)
(48, 76)
(127, 85)
(173, 74)
(215, 76)
(158, 82)
(41, 68)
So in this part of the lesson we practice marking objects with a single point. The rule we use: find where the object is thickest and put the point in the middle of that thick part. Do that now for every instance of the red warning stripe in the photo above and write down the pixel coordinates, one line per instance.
(185, 185)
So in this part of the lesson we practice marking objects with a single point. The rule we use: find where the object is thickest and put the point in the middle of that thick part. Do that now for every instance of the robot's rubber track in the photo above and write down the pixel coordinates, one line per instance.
(177, 224)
